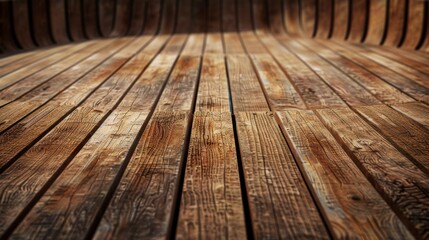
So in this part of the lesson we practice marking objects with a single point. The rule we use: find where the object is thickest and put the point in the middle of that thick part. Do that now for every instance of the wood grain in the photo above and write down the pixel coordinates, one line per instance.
(211, 205)
(279, 200)
(346, 198)
(402, 184)
(408, 135)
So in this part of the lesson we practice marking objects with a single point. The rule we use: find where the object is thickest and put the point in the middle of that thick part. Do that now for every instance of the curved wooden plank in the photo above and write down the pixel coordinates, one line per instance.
(341, 19)
(376, 21)
(21, 23)
(395, 28)
(7, 41)
(244, 16)
(199, 11)
(275, 16)
(153, 16)
(169, 15)
(137, 20)
(214, 16)
(58, 21)
(414, 24)
(291, 17)
(122, 19)
(184, 16)
(358, 20)
(324, 21)
(74, 17)
(259, 14)
(229, 16)
(308, 17)
(106, 13)
(90, 18)
(40, 22)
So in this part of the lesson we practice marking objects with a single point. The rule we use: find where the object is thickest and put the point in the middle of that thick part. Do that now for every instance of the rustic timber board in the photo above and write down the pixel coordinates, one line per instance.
(210, 130)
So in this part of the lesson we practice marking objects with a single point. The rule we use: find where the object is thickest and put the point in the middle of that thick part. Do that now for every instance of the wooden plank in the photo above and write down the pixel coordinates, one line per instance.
(74, 20)
(324, 18)
(89, 18)
(341, 19)
(26, 71)
(14, 111)
(194, 45)
(280, 93)
(395, 27)
(214, 44)
(21, 23)
(51, 154)
(358, 20)
(407, 135)
(347, 200)
(213, 95)
(246, 91)
(48, 73)
(416, 111)
(122, 18)
(233, 43)
(308, 17)
(179, 92)
(115, 135)
(137, 18)
(252, 44)
(280, 203)
(40, 22)
(291, 18)
(151, 175)
(415, 24)
(27, 60)
(83, 185)
(314, 92)
(58, 21)
(402, 184)
(383, 91)
(404, 84)
(211, 205)
(43, 119)
(376, 21)
(350, 91)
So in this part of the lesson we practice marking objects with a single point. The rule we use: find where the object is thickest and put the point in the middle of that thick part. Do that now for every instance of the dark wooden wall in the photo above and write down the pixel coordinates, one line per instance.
(26, 24)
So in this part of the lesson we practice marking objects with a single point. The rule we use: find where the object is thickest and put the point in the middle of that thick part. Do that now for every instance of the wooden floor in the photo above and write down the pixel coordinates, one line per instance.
(217, 135)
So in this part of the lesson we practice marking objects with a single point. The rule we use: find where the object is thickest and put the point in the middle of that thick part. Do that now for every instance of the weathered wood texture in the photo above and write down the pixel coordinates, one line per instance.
(220, 120)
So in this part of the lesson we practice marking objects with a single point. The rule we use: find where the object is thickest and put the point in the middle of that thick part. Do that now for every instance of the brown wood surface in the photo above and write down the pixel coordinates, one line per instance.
(216, 119)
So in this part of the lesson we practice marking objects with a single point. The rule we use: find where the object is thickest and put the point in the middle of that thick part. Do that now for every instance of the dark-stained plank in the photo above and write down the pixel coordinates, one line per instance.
(402, 184)
(279, 201)
(280, 93)
(74, 20)
(58, 21)
(21, 23)
(246, 91)
(413, 138)
(40, 22)
(347, 200)
(211, 205)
